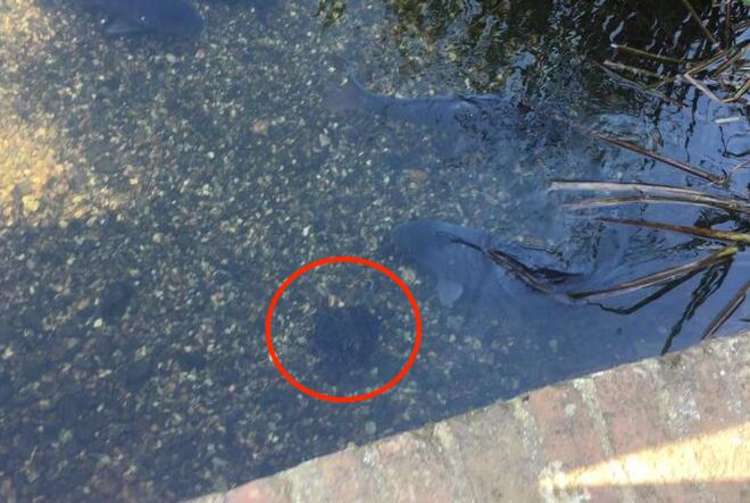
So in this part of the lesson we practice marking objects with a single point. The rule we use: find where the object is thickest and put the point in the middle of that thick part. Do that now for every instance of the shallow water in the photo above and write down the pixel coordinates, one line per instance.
(156, 193)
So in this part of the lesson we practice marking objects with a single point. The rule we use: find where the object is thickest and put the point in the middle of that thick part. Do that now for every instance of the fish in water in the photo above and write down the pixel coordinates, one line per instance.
(468, 264)
(462, 120)
(162, 17)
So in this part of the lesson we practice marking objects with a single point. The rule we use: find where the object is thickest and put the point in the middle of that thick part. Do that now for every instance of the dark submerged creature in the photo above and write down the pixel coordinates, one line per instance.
(161, 17)
(468, 264)
(344, 340)
(462, 120)
(115, 300)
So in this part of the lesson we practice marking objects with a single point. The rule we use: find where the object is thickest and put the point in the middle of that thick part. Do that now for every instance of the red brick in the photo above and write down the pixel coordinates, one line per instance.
(696, 397)
(495, 457)
(267, 490)
(337, 477)
(629, 402)
(415, 468)
(627, 399)
(568, 434)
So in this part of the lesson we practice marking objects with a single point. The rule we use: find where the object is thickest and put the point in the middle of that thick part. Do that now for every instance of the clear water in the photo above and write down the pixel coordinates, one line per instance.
(157, 192)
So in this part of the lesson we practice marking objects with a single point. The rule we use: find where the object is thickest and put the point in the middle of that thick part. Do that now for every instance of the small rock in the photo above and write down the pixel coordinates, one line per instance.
(138, 373)
(260, 127)
(370, 427)
(191, 360)
(416, 176)
(115, 300)
(6, 389)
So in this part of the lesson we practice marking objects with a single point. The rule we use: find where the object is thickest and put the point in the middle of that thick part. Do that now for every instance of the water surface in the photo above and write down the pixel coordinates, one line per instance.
(157, 192)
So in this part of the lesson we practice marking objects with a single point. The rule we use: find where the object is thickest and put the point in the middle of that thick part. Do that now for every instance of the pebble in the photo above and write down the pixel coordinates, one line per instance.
(416, 176)
(370, 427)
(260, 127)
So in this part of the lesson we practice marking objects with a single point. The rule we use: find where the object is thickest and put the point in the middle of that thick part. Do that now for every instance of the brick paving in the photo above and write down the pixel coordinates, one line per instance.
(675, 428)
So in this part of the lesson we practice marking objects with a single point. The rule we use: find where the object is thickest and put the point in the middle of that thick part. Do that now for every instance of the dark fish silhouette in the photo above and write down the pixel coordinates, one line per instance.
(468, 264)
(115, 300)
(162, 17)
(462, 120)
(344, 340)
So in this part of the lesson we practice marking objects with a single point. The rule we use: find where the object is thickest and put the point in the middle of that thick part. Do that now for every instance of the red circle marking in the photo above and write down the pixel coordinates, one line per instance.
(348, 259)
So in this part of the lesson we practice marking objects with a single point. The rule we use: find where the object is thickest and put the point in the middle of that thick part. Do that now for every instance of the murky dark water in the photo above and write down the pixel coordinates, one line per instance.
(157, 192)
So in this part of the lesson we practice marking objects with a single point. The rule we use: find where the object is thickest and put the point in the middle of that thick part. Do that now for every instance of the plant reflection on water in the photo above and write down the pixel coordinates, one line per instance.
(723, 78)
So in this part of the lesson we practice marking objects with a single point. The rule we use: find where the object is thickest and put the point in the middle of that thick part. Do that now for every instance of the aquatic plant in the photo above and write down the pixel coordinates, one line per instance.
(723, 77)
(717, 67)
